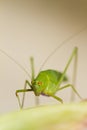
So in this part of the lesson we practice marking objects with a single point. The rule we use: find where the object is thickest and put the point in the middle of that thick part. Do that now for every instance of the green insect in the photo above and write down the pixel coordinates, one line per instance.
(48, 82)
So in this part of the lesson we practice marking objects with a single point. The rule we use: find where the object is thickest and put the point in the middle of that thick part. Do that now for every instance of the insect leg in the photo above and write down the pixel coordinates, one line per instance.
(57, 98)
(74, 75)
(74, 54)
(70, 85)
(32, 68)
(33, 77)
(67, 65)
(23, 90)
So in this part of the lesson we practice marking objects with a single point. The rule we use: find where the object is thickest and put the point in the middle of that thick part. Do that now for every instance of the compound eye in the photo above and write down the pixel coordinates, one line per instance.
(39, 83)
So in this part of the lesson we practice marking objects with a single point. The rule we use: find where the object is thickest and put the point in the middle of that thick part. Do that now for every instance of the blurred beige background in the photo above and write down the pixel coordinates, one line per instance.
(35, 28)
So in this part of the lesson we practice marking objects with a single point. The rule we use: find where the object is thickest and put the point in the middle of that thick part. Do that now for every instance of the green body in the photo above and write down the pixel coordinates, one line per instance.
(46, 82)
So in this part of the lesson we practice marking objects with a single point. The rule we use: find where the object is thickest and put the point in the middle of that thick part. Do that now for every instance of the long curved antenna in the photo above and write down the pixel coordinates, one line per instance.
(61, 44)
(11, 58)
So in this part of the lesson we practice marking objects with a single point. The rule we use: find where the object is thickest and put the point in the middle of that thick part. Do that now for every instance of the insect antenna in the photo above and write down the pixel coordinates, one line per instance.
(61, 44)
(12, 59)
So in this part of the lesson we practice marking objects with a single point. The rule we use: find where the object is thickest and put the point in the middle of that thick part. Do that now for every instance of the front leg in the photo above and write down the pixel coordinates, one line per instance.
(23, 91)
